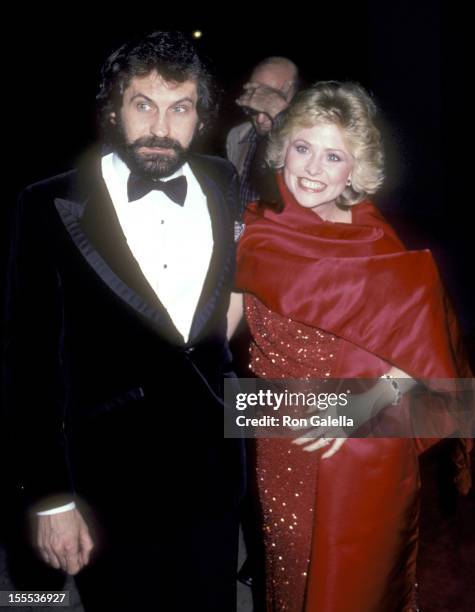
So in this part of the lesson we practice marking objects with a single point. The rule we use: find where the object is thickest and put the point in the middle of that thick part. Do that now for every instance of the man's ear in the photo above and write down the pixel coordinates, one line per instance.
(112, 118)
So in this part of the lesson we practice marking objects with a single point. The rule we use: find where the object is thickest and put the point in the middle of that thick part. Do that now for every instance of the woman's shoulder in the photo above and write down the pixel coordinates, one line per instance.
(366, 213)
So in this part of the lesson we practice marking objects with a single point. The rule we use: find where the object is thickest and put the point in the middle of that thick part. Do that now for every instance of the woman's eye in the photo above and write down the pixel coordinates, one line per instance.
(334, 157)
(301, 148)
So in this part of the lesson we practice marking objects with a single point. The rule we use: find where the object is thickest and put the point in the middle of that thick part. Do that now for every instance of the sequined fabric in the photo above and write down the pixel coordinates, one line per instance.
(283, 348)
(286, 475)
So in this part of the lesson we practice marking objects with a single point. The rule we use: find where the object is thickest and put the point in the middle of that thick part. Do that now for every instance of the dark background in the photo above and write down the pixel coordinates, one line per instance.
(408, 54)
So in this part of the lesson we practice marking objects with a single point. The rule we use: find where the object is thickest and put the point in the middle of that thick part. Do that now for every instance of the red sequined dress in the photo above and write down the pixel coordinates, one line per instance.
(286, 476)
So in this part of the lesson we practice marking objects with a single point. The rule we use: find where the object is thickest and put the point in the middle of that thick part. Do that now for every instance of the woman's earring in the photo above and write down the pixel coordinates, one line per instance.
(348, 182)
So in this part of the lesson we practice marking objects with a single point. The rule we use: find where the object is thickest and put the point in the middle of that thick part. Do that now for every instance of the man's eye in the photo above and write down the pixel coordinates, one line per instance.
(143, 107)
(180, 109)
(334, 157)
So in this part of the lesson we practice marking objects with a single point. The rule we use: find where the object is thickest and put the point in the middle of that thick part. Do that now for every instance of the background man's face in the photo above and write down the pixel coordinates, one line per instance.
(276, 77)
(157, 122)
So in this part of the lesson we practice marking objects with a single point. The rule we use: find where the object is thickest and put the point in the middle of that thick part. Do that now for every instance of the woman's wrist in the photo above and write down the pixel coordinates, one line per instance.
(384, 394)
(393, 384)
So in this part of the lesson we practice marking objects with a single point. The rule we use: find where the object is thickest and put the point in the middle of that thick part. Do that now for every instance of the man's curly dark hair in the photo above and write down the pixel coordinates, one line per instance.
(172, 55)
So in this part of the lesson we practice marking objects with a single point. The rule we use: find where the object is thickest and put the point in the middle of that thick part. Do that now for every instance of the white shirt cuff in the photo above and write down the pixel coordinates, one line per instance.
(57, 510)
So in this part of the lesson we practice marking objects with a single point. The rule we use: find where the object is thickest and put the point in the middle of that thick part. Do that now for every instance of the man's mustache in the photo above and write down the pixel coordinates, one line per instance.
(158, 142)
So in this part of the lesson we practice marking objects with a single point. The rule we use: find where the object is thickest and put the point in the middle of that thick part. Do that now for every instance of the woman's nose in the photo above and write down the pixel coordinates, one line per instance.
(313, 166)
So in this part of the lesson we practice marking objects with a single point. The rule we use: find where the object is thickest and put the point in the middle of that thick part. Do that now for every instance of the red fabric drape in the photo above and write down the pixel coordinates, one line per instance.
(354, 280)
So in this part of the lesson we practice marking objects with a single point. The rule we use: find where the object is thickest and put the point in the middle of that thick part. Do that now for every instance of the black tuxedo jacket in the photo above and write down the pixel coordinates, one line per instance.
(96, 373)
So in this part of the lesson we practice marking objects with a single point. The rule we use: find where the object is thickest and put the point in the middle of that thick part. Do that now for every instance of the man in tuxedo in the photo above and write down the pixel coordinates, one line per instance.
(118, 288)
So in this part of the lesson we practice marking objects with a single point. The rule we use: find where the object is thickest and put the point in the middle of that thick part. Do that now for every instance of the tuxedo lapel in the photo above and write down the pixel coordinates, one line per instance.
(91, 220)
(222, 255)
(101, 225)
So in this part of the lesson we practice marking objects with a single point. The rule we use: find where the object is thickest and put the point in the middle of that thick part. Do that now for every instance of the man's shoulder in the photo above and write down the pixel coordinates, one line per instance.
(69, 184)
(222, 174)
(239, 133)
(36, 202)
(58, 186)
(35, 205)
(217, 168)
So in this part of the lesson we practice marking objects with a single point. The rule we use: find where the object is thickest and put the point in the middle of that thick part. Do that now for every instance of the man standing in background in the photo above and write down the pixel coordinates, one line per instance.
(271, 87)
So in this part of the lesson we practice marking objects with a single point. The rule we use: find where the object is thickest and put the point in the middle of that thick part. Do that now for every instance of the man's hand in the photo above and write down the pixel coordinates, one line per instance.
(63, 541)
(264, 99)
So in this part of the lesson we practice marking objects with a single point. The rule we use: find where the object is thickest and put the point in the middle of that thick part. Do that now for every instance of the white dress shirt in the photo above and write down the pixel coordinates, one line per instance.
(171, 243)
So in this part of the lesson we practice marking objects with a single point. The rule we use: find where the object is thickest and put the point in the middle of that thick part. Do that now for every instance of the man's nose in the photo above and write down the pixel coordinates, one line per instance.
(160, 125)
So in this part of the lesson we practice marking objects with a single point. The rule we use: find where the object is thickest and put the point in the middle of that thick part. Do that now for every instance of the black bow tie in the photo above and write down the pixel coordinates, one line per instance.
(175, 189)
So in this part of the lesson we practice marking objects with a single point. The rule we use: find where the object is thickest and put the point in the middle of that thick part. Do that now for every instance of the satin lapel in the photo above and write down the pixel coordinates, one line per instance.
(223, 252)
(93, 225)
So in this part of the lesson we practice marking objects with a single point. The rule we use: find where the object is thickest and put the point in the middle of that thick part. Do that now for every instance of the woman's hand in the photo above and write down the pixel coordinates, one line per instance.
(361, 409)
(335, 445)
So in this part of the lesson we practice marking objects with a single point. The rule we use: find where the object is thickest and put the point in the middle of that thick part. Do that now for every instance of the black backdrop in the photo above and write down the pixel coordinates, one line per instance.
(408, 54)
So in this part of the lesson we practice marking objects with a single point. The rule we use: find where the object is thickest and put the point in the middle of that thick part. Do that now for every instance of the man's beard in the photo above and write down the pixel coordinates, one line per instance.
(151, 165)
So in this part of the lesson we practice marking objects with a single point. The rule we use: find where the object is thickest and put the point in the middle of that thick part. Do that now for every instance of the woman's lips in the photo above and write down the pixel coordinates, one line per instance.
(311, 186)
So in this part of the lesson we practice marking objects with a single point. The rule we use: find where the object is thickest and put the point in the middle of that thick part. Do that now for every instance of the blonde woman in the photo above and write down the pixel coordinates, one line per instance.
(331, 292)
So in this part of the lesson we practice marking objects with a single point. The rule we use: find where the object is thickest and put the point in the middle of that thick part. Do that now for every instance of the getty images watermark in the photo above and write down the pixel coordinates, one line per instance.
(286, 401)
(347, 407)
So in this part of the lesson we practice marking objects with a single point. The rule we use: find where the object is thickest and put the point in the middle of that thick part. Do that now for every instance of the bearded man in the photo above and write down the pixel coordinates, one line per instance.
(119, 281)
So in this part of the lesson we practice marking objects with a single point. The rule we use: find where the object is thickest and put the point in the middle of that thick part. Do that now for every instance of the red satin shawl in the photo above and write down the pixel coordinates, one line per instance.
(356, 281)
